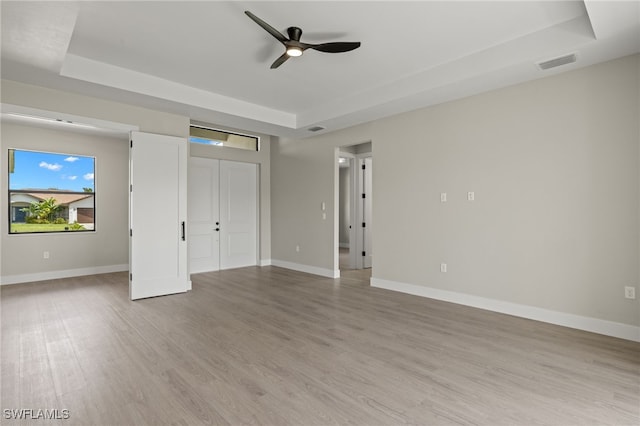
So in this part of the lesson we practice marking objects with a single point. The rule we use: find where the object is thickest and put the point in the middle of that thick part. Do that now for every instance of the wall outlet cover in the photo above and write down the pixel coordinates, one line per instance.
(630, 292)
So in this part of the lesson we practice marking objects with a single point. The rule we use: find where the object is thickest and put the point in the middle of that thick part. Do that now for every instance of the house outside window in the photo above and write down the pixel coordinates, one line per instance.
(50, 192)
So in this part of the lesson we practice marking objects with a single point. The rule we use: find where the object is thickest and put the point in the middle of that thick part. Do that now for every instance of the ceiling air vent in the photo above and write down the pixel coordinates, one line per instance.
(315, 128)
(562, 60)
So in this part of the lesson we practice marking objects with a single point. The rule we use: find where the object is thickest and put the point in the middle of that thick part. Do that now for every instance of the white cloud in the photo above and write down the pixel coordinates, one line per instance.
(88, 176)
(71, 159)
(72, 177)
(54, 167)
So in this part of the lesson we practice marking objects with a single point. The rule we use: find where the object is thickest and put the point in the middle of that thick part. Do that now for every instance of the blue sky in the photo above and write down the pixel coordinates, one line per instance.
(44, 170)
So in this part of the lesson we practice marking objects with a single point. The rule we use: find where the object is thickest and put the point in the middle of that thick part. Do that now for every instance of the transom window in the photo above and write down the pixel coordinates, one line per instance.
(214, 137)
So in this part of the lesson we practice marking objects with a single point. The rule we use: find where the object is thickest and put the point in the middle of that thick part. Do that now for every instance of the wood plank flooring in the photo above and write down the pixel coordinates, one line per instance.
(276, 347)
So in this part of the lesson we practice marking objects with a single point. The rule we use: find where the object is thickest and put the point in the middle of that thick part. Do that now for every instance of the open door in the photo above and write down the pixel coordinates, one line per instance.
(158, 215)
(367, 211)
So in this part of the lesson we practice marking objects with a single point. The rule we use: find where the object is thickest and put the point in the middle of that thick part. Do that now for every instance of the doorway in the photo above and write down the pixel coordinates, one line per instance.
(223, 214)
(355, 195)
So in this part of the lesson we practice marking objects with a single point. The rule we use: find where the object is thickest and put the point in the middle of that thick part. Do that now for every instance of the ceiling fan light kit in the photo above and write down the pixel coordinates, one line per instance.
(294, 51)
(294, 47)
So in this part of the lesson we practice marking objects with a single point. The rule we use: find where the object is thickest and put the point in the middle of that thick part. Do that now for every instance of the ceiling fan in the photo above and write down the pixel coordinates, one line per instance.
(293, 45)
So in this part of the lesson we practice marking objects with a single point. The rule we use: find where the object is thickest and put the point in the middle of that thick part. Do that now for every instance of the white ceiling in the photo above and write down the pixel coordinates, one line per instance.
(207, 60)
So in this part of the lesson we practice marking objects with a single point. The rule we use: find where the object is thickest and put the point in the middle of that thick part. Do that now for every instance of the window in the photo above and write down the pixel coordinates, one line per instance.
(50, 192)
(213, 137)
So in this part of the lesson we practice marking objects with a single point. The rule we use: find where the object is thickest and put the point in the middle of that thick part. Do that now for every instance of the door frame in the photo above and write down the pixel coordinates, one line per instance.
(356, 208)
(352, 207)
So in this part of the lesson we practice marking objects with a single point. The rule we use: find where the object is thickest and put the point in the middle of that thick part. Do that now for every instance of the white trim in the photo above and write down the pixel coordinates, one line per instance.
(307, 268)
(94, 123)
(265, 262)
(67, 273)
(594, 325)
(89, 70)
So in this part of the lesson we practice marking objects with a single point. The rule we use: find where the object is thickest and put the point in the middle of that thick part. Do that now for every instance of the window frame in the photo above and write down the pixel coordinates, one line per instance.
(68, 230)
(228, 132)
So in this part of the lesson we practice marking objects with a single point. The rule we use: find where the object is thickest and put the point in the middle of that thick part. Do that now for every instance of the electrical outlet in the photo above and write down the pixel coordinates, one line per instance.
(471, 196)
(630, 292)
(45, 255)
(443, 197)
(443, 267)
(298, 249)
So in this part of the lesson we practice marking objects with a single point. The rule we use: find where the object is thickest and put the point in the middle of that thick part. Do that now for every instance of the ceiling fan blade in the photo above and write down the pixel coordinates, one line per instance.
(268, 28)
(281, 60)
(335, 47)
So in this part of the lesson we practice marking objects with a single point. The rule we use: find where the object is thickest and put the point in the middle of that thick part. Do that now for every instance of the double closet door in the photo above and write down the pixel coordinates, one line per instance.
(223, 214)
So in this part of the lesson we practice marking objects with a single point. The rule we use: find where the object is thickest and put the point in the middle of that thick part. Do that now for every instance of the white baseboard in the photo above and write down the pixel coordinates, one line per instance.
(594, 325)
(265, 262)
(329, 273)
(67, 273)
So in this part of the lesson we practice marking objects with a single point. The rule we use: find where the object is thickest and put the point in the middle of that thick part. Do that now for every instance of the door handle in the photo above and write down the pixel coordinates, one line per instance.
(217, 229)
(183, 235)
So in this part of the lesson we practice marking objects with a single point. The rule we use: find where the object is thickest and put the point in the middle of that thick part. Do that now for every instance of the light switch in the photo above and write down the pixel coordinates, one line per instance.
(323, 206)
(471, 196)
(443, 197)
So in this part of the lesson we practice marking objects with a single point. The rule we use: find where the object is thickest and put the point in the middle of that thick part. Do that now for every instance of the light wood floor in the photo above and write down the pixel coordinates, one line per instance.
(276, 347)
(343, 259)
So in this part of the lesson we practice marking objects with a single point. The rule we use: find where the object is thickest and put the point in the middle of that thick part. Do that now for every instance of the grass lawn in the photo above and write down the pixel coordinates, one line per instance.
(34, 227)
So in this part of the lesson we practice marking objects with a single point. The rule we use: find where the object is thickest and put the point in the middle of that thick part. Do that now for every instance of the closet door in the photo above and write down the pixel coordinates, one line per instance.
(238, 214)
(158, 214)
(204, 217)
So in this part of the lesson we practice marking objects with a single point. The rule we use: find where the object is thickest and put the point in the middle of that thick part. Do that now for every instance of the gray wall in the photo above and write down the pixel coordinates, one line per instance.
(95, 255)
(304, 174)
(148, 121)
(85, 106)
(109, 245)
(554, 164)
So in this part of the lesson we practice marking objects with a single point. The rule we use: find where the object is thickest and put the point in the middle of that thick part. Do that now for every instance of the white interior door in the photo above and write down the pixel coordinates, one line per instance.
(158, 214)
(367, 209)
(204, 216)
(238, 214)
(364, 224)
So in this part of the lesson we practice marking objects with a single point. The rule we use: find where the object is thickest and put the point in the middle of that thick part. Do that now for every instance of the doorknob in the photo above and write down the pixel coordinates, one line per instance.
(217, 229)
